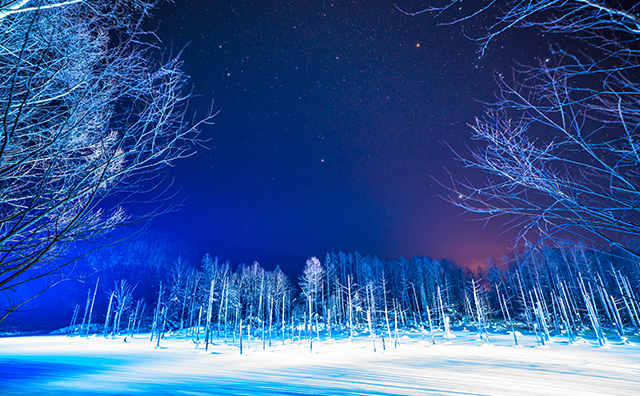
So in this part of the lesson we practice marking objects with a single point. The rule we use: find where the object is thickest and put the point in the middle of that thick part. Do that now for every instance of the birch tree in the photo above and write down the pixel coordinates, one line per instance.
(311, 284)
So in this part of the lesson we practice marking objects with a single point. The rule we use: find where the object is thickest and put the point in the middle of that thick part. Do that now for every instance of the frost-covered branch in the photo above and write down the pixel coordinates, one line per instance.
(88, 122)
(560, 144)
(19, 6)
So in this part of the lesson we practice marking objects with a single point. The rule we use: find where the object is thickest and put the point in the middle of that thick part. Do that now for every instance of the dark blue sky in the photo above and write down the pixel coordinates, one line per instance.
(333, 116)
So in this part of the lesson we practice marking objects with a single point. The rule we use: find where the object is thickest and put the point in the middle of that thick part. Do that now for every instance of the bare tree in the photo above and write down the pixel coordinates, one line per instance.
(123, 293)
(281, 288)
(311, 283)
(88, 121)
(561, 143)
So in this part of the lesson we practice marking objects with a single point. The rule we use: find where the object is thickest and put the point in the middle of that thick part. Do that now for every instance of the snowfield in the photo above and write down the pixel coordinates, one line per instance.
(56, 365)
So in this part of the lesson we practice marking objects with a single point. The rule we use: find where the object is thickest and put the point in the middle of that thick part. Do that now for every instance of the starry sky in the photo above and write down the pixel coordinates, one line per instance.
(334, 118)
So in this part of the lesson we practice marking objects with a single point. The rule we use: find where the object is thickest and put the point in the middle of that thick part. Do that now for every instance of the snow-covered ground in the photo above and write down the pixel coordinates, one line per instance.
(56, 365)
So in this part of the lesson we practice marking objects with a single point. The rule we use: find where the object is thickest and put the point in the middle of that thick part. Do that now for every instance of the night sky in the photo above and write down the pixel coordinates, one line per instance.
(333, 118)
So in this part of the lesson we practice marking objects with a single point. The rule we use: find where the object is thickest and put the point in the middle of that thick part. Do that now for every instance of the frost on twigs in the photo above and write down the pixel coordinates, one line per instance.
(88, 122)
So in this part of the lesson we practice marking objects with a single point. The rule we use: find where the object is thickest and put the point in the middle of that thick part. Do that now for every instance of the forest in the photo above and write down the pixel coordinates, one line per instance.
(567, 290)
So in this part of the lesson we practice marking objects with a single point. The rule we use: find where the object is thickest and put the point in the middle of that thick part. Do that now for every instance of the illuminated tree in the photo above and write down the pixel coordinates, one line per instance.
(561, 144)
(88, 121)
(311, 284)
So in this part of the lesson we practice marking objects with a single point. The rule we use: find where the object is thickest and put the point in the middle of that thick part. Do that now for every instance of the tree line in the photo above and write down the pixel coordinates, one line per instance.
(567, 290)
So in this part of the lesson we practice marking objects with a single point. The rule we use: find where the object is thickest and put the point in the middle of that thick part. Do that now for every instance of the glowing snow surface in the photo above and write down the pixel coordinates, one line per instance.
(50, 365)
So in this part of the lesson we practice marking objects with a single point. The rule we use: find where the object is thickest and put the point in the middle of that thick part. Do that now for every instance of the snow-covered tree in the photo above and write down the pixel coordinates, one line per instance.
(89, 120)
(311, 284)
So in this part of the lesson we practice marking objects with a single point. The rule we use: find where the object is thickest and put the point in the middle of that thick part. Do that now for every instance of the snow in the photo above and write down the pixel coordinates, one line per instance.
(56, 365)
